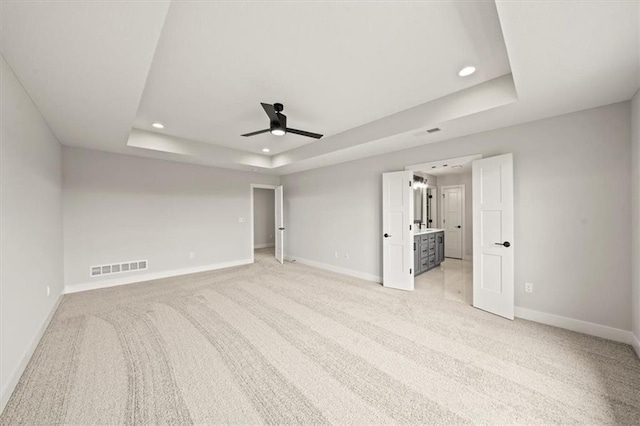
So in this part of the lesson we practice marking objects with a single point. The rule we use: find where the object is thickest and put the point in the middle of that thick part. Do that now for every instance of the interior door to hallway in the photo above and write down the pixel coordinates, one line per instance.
(452, 208)
(279, 225)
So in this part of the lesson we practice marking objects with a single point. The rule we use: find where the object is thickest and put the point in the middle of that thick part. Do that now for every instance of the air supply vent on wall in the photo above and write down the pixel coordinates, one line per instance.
(117, 268)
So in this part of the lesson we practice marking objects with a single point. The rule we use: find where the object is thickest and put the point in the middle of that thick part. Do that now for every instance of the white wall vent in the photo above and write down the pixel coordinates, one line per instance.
(117, 268)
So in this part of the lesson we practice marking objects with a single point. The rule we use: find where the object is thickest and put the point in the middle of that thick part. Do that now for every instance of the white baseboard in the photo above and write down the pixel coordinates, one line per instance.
(93, 285)
(263, 245)
(338, 269)
(26, 357)
(467, 257)
(616, 334)
(636, 344)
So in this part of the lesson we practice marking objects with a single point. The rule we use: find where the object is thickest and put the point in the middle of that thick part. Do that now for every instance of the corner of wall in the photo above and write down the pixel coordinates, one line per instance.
(635, 217)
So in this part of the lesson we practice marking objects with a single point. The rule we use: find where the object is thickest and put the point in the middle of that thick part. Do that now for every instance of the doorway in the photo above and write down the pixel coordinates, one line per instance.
(443, 187)
(479, 227)
(267, 222)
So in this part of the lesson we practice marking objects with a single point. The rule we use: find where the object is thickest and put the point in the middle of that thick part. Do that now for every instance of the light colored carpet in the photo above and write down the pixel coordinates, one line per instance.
(270, 343)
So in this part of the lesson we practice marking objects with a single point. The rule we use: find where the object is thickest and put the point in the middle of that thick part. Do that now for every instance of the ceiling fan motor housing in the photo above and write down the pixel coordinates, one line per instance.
(281, 123)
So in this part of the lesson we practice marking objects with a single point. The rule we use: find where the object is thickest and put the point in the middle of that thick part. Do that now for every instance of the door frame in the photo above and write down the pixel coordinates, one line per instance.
(464, 220)
(251, 218)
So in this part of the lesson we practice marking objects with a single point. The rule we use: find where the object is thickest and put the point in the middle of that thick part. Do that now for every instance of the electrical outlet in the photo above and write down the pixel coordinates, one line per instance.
(48, 291)
(528, 287)
(346, 256)
(241, 219)
(192, 255)
(335, 255)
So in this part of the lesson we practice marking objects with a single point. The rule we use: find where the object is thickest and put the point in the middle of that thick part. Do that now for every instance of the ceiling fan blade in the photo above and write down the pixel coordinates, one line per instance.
(256, 133)
(303, 133)
(271, 112)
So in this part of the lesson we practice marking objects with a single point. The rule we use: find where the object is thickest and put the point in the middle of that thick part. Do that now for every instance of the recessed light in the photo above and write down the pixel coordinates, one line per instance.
(466, 71)
(158, 125)
(265, 150)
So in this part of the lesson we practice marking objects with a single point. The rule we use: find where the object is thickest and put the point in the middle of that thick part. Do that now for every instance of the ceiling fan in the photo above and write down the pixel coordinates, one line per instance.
(278, 123)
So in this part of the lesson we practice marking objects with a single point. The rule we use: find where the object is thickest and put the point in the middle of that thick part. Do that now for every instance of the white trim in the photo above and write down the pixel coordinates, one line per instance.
(467, 257)
(636, 344)
(580, 326)
(251, 188)
(93, 285)
(463, 225)
(263, 245)
(338, 269)
(26, 357)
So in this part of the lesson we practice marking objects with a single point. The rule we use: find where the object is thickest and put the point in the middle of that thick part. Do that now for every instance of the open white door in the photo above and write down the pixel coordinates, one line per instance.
(279, 226)
(397, 239)
(493, 275)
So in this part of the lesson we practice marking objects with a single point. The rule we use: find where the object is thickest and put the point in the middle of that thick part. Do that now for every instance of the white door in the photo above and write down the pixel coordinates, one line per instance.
(493, 276)
(452, 205)
(279, 226)
(397, 234)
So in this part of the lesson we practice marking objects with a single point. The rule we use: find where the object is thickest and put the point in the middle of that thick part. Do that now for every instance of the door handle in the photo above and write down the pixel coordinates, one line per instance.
(387, 235)
(506, 244)
(282, 229)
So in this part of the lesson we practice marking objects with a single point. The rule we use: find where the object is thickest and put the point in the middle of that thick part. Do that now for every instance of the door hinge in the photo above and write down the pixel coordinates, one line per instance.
(410, 271)
(409, 227)
(409, 183)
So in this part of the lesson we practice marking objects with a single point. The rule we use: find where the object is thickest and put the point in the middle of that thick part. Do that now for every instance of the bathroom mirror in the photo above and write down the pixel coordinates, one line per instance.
(418, 205)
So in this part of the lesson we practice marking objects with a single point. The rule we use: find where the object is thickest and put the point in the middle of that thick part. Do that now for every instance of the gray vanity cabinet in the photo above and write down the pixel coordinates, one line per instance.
(428, 251)
(440, 247)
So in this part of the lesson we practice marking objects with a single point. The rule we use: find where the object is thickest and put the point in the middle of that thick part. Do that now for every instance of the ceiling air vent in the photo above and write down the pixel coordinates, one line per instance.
(117, 268)
(434, 130)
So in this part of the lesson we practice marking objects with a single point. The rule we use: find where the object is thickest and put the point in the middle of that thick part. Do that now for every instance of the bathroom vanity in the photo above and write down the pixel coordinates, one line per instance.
(428, 249)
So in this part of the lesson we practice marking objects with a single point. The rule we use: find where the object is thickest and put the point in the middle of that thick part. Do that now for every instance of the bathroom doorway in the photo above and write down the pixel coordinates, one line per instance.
(443, 207)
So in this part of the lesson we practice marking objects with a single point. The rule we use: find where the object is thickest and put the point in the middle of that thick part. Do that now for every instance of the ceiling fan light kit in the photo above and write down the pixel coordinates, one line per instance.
(278, 123)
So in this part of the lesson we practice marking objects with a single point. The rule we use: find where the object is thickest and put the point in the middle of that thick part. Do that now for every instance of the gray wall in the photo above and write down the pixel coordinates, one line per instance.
(264, 218)
(119, 208)
(572, 210)
(31, 226)
(461, 179)
(635, 197)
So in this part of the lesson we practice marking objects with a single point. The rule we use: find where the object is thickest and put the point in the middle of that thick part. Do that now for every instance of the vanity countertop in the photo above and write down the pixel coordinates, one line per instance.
(426, 231)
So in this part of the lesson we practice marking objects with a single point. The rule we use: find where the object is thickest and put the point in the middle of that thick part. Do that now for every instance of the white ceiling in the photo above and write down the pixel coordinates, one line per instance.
(448, 166)
(333, 65)
(370, 76)
(84, 64)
